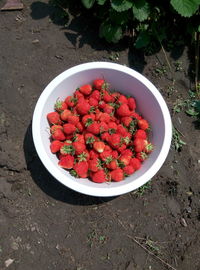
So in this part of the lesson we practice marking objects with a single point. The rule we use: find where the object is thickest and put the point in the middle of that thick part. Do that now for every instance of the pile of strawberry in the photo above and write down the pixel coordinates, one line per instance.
(98, 134)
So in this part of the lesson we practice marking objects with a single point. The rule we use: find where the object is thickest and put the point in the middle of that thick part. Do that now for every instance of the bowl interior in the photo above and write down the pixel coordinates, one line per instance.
(149, 105)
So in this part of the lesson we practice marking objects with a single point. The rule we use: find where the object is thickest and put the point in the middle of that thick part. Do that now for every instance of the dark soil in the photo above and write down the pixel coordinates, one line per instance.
(44, 225)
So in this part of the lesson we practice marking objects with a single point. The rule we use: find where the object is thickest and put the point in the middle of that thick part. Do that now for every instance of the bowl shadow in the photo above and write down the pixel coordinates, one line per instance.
(48, 184)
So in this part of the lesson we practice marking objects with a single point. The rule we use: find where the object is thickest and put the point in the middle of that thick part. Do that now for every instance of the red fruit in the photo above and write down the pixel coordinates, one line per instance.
(85, 89)
(64, 115)
(81, 168)
(127, 152)
(148, 147)
(60, 106)
(105, 155)
(99, 176)
(122, 99)
(117, 175)
(67, 148)
(99, 146)
(143, 124)
(140, 133)
(107, 97)
(112, 125)
(131, 103)
(69, 128)
(54, 118)
(125, 159)
(113, 165)
(94, 128)
(66, 162)
(79, 147)
(121, 130)
(105, 136)
(126, 120)
(96, 94)
(121, 148)
(135, 163)
(83, 107)
(54, 127)
(93, 154)
(79, 126)
(79, 138)
(103, 127)
(102, 104)
(123, 110)
(139, 144)
(98, 83)
(136, 115)
(88, 119)
(78, 94)
(104, 117)
(115, 140)
(94, 164)
(73, 119)
(128, 170)
(108, 109)
(141, 156)
(107, 148)
(115, 154)
(93, 101)
(55, 146)
(89, 138)
(84, 156)
(71, 101)
(58, 135)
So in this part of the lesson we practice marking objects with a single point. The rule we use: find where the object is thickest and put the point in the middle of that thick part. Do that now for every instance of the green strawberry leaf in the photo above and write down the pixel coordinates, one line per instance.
(119, 18)
(141, 10)
(121, 5)
(101, 2)
(142, 40)
(112, 33)
(88, 3)
(185, 8)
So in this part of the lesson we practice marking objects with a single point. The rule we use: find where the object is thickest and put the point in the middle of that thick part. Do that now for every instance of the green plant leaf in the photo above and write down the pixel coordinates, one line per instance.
(141, 10)
(119, 17)
(101, 2)
(185, 8)
(121, 5)
(112, 33)
(142, 40)
(88, 3)
(197, 106)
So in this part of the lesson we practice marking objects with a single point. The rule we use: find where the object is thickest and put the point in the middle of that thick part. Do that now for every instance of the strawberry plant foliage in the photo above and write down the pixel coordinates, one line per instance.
(185, 8)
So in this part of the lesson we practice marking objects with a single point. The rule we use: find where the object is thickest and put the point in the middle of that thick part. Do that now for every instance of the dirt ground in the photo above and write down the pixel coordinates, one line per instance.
(44, 225)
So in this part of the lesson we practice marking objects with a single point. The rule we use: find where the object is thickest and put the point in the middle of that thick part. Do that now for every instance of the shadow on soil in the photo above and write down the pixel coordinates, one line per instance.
(48, 184)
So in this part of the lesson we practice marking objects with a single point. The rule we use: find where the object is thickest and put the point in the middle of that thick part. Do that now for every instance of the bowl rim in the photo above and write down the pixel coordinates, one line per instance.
(108, 191)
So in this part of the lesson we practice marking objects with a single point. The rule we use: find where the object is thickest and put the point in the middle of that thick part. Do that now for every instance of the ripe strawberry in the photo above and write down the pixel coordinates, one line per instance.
(83, 107)
(66, 162)
(143, 124)
(105, 136)
(64, 114)
(141, 156)
(140, 133)
(139, 144)
(99, 146)
(84, 156)
(121, 130)
(79, 126)
(69, 128)
(116, 95)
(107, 148)
(81, 168)
(99, 176)
(115, 140)
(93, 154)
(60, 106)
(135, 163)
(85, 89)
(108, 109)
(148, 147)
(79, 147)
(105, 155)
(54, 118)
(125, 159)
(102, 104)
(71, 101)
(89, 138)
(128, 170)
(121, 148)
(115, 154)
(98, 83)
(127, 152)
(66, 149)
(94, 128)
(113, 165)
(79, 138)
(122, 99)
(104, 117)
(123, 110)
(94, 165)
(112, 125)
(96, 95)
(93, 101)
(117, 175)
(58, 135)
(103, 127)
(78, 94)
(126, 120)
(131, 103)
(73, 119)
(55, 146)
(107, 96)
(54, 127)
(88, 119)
(136, 115)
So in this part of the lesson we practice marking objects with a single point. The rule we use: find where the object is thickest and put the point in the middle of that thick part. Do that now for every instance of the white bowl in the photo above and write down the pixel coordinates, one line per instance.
(150, 104)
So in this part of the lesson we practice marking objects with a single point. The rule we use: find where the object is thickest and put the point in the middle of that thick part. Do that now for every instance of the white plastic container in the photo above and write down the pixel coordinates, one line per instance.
(150, 104)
